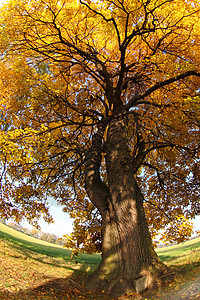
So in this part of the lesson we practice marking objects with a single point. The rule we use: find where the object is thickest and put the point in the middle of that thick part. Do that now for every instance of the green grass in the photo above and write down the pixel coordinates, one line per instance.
(182, 258)
(35, 269)
(26, 242)
(167, 254)
(170, 253)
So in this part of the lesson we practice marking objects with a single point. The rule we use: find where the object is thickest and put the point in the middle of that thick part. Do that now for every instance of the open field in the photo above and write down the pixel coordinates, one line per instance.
(27, 263)
(34, 269)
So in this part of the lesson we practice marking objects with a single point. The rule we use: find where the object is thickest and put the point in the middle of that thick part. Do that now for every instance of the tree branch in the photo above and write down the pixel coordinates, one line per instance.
(97, 190)
(157, 172)
(158, 209)
(105, 19)
(136, 99)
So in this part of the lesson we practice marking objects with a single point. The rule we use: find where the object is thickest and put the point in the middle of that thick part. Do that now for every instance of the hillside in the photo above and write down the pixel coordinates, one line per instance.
(27, 263)
(34, 269)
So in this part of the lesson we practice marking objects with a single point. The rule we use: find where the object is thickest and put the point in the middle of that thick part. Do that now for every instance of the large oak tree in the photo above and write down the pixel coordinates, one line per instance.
(100, 110)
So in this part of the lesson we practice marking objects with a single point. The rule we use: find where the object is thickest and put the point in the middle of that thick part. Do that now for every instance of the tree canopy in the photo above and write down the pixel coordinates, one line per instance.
(68, 68)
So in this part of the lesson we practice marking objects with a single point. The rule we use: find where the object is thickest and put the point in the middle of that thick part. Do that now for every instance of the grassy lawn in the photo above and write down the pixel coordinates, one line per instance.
(34, 269)
(184, 260)
(27, 263)
(28, 244)
(182, 255)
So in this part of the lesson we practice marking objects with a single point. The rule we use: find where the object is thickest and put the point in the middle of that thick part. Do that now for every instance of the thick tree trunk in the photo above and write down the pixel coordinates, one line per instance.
(127, 251)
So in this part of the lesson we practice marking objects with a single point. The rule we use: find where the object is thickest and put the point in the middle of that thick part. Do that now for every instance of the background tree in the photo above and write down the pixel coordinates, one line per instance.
(102, 99)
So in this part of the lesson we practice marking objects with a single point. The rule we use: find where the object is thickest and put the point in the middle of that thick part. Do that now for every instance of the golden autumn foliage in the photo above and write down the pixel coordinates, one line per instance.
(66, 67)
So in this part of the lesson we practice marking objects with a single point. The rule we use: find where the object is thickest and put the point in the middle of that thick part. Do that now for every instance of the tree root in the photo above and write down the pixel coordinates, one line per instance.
(120, 286)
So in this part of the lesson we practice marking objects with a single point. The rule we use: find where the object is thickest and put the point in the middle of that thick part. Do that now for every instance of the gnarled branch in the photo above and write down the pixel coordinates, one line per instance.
(97, 190)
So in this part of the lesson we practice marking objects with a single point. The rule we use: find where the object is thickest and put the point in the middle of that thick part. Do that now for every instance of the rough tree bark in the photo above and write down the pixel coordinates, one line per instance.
(127, 250)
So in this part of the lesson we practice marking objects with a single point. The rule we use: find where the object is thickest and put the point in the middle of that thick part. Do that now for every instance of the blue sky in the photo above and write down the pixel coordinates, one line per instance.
(63, 224)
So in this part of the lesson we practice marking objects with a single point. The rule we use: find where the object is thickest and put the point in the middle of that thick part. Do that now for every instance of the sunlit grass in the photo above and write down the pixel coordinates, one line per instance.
(27, 264)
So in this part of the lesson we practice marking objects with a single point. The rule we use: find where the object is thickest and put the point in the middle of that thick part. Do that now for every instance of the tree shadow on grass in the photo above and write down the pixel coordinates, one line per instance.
(60, 289)
(67, 289)
(52, 250)
(186, 269)
(27, 249)
(178, 252)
